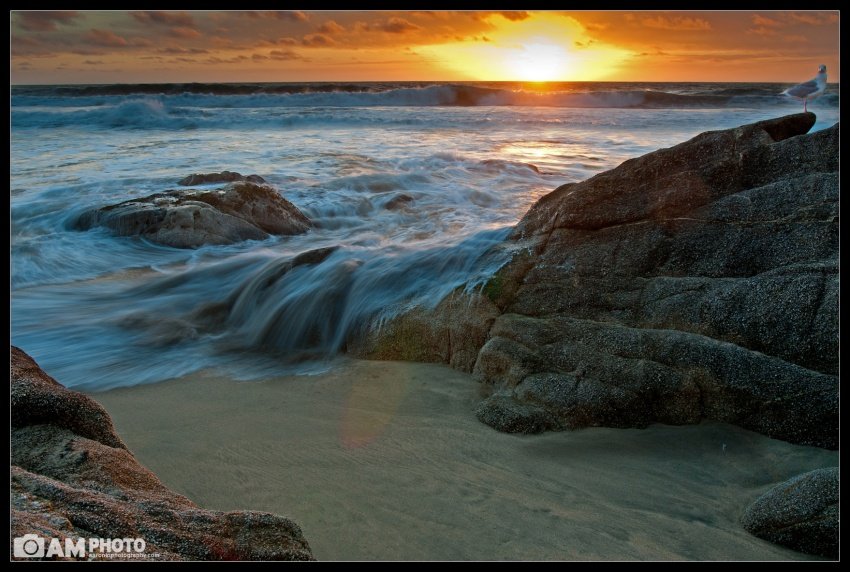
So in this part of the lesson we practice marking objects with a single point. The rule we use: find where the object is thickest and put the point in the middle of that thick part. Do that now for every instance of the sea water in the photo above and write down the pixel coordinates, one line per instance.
(412, 185)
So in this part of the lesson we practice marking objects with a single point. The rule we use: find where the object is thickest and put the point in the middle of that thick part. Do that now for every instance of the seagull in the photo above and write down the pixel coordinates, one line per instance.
(809, 90)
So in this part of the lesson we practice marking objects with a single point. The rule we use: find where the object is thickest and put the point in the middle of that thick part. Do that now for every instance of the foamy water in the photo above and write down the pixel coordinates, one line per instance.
(100, 311)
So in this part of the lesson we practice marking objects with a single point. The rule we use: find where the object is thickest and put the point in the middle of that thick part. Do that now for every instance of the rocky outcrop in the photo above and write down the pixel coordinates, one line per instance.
(452, 333)
(695, 282)
(72, 477)
(801, 513)
(192, 218)
(223, 177)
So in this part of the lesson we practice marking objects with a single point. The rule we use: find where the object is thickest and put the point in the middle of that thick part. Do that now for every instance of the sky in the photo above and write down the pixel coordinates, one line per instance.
(96, 47)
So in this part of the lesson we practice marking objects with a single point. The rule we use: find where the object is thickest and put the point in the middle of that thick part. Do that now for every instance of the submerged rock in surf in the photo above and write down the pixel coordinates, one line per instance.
(801, 513)
(73, 477)
(398, 202)
(192, 218)
(501, 164)
(223, 177)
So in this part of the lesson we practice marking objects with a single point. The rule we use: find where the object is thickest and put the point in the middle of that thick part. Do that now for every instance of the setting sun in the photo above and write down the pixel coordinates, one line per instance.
(540, 62)
(541, 47)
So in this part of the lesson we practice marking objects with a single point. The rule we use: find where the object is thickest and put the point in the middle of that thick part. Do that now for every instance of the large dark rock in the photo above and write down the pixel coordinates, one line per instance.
(699, 281)
(223, 177)
(73, 477)
(695, 282)
(801, 513)
(192, 218)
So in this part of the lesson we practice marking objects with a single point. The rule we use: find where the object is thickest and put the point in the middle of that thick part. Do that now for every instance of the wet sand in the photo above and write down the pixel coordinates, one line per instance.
(386, 461)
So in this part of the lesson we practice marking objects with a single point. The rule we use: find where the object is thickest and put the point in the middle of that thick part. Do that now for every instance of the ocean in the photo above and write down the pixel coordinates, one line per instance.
(98, 311)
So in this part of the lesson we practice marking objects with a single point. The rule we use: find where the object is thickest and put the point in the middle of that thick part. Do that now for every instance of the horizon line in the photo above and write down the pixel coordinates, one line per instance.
(330, 81)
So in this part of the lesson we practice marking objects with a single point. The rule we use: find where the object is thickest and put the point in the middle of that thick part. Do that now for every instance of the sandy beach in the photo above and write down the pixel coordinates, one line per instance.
(386, 461)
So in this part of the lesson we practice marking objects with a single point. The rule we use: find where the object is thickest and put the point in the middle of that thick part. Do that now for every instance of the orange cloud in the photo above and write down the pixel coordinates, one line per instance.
(676, 23)
(46, 20)
(331, 27)
(762, 31)
(317, 40)
(397, 26)
(515, 16)
(284, 55)
(184, 32)
(172, 51)
(105, 38)
(290, 15)
(760, 20)
(815, 19)
(164, 18)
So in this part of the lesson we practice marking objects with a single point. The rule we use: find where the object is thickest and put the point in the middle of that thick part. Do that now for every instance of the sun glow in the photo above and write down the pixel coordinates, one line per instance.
(542, 47)
(539, 62)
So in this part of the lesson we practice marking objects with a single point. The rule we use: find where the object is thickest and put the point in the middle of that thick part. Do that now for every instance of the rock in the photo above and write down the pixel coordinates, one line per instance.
(36, 399)
(399, 201)
(73, 477)
(192, 218)
(223, 177)
(315, 256)
(695, 282)
(506, 414)
(801, 513)
(452, 333)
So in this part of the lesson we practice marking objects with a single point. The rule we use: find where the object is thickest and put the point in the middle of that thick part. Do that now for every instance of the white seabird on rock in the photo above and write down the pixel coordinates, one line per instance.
(809, 90)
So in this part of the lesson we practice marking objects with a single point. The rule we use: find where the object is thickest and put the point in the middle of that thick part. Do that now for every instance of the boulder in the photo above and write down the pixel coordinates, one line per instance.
(509, 416)
(192, 218)
(223, 177)
(72, 477)
(695, 282)
(801, 513)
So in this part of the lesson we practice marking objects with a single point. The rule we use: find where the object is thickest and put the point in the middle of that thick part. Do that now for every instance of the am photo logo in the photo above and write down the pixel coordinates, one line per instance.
(35, 546)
